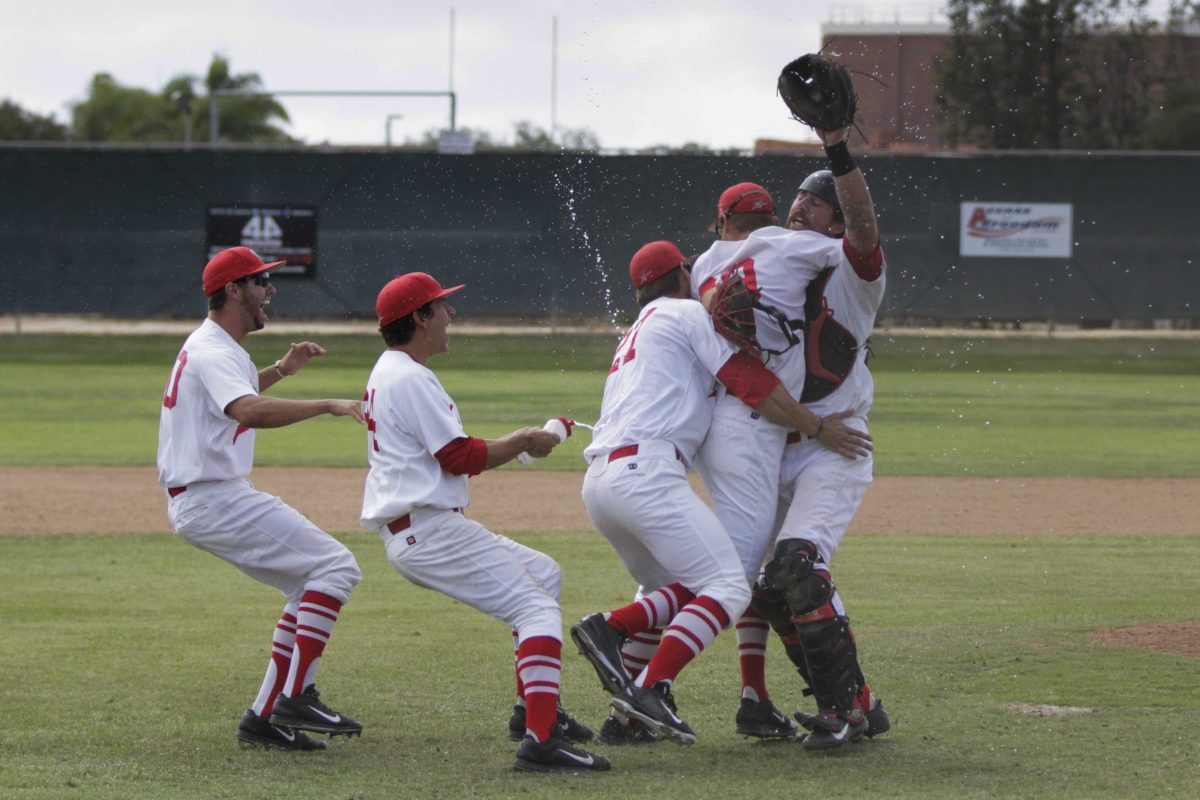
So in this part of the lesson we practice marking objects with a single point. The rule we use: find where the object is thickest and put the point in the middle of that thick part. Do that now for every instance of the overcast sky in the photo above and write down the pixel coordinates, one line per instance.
(635, 72)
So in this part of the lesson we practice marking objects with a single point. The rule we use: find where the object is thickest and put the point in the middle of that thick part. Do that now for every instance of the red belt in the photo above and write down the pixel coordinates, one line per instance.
(405, 522)
(632, 450)
(175, 491)
(795, 436)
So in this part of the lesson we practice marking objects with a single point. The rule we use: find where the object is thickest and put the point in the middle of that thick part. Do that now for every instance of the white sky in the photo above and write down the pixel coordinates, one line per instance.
(635, 72)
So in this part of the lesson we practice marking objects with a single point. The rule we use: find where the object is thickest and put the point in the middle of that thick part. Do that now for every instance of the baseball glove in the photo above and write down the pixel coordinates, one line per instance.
(733, 313)
(819, 92)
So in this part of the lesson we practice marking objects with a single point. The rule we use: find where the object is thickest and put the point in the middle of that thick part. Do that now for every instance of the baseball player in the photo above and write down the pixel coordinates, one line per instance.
(211, 410)
(656, 409)
(819, 491)
(416, 491)
(740, 458)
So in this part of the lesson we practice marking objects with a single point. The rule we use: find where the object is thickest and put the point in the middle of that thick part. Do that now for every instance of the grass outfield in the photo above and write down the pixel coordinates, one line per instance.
(989, 407)
(128, 660)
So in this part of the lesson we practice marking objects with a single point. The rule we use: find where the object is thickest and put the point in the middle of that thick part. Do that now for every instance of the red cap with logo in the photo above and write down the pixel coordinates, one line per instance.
(405, 294)
(743, 198)
(653, 261)
(229, 265)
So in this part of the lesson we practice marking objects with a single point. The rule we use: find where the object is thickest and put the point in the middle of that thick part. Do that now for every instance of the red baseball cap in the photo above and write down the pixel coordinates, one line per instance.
(743, 198)
(405, 294)
(653, 261)
(229, 265)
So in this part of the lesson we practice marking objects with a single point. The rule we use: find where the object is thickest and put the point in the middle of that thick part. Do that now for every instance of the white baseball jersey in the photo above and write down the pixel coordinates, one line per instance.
(779, 263)
(409, 419)
(660, 386)
(196, 440)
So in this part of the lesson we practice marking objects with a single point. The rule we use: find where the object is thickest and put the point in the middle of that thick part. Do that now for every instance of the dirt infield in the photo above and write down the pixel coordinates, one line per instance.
(83, 500)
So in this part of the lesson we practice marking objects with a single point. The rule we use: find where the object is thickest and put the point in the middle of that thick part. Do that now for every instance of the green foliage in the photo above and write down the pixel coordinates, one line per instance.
(112, 112)
(1178, 126)
(20, 125)
(1108, 407)
(128, 660)
(1081, 74)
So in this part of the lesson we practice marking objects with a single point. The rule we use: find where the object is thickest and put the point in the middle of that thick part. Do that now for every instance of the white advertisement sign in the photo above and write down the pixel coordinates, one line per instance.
(1015, 230)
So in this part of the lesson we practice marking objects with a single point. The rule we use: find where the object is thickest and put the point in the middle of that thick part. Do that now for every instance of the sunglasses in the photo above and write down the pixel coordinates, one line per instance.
(261, 279)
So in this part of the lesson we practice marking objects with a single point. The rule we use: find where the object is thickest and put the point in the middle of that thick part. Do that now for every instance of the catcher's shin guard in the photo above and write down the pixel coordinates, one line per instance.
(770, 605)
(832, 660)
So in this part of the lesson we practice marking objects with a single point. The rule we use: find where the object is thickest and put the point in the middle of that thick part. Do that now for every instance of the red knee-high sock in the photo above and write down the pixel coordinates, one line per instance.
(539, 667)
(314, 624)
(693, 629)
(282, 642)
(639, 649)
(752, 634)
(653, 610)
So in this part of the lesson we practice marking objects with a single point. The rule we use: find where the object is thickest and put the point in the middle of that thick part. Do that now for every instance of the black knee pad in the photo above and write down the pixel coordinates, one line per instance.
(790, 572)
(832, 659)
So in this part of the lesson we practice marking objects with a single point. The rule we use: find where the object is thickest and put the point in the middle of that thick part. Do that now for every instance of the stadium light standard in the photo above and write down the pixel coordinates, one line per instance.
(387, 128)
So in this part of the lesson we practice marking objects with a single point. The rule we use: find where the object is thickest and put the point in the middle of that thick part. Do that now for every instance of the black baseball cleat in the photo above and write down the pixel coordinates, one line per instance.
(568, 726)
(258, 731)
(617, 733)
(760, 719)
(831, 729)
(600, 643)
(648, 705)
(306, 712)
(877, 720)
(557, 755)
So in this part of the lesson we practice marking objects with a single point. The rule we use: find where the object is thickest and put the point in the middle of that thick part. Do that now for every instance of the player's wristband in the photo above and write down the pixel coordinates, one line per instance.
(840, 161)
(820, 427)
(279, 371)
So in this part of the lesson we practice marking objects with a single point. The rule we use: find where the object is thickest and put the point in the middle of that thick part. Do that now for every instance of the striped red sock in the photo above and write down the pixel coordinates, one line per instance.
(282, 642)
(652, 610)
(314, 624)
(752, 634)
(539, 667)
(693, 629)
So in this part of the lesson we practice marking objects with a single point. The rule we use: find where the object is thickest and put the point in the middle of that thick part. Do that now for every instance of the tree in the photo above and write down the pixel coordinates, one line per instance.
(112, 112)
(20, 125)
(1178, 126)
(1053, 73)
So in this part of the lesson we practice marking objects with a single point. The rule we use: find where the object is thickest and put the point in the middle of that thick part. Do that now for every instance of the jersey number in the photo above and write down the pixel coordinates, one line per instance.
(745, 267)
(371, 420)
(627, 354)
(171, 396)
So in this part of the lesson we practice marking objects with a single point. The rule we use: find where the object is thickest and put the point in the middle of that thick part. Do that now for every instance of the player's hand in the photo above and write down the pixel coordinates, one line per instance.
(347, 408)
(539, 442)
(830, 138)
(839, 437)
(298, 355)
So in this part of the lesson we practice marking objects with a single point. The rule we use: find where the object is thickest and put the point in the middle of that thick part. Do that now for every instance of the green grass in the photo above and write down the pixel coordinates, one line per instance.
(944, 406)
(127, 661)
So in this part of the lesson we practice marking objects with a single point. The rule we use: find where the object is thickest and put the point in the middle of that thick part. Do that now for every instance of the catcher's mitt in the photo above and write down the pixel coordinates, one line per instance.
(819, 92)
(733, 313)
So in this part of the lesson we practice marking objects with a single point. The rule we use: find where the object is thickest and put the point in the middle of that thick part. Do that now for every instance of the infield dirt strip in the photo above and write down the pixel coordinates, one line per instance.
(82, 500)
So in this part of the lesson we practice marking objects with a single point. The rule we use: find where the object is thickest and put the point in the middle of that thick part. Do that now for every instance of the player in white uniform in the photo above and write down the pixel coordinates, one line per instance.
(741, 456)
(210, 411)
(819, 491)
(416, 490)
(656, 409)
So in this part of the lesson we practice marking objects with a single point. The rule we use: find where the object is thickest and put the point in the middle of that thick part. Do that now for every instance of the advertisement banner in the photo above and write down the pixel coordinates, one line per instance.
(1015, 230)
(276, 233)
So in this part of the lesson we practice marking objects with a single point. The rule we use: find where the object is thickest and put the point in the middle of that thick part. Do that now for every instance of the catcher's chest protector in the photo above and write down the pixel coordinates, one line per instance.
(829, 349)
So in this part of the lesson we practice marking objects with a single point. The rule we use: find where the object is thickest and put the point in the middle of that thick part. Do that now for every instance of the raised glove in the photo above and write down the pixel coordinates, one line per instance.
(819, 92)
(733, 313)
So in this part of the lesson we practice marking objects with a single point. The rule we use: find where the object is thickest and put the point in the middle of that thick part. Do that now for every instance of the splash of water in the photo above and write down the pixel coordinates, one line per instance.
(566, 184)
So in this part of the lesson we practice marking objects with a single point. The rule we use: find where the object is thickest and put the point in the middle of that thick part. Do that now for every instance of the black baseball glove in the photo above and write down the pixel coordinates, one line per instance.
(733, 313)
(819, 92)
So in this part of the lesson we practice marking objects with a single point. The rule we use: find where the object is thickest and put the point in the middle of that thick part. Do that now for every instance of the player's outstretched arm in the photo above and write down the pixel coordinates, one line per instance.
(831, 431)
(535, 441)
(862, 226)
(256, 411)
(297, 356)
